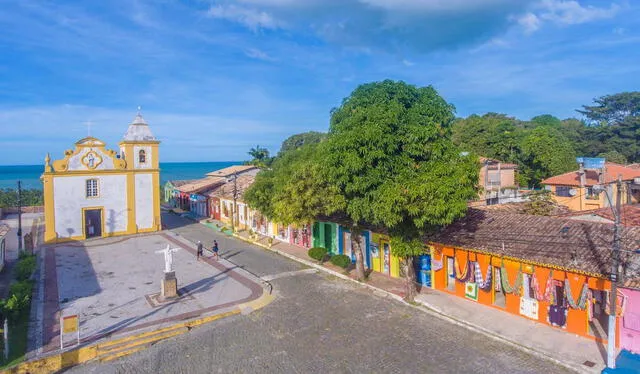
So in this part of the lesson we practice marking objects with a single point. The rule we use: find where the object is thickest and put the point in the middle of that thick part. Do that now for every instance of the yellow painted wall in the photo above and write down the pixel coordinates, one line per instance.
(580, 201)
(377, 262)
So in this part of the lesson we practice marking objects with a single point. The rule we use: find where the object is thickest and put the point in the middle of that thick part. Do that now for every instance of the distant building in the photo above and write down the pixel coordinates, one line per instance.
(575, 189)
(498, 182)
(236, 170)
(630, 215)
(96, 192)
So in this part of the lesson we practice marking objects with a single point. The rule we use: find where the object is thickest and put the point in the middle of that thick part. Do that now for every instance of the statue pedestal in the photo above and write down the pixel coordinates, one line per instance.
(169, 286)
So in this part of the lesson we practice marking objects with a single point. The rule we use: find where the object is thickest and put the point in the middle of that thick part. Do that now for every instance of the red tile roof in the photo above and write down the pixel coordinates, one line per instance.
(201, 185)
(630, 214)
(610, 175)
(574, 245)
(225, 190)
(493, 164)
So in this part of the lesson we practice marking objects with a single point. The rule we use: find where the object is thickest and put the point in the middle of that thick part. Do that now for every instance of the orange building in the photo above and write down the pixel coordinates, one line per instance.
(550, 270)
(575, 189)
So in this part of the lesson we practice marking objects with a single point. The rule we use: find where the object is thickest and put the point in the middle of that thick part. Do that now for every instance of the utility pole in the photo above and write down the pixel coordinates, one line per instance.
(19, 216)
(615, 257)
(235, 199)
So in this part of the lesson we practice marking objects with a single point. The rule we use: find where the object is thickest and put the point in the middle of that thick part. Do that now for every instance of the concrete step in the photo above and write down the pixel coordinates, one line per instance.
(122, 347)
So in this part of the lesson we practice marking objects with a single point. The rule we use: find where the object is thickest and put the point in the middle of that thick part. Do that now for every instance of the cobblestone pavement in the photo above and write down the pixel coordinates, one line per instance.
(323, 325)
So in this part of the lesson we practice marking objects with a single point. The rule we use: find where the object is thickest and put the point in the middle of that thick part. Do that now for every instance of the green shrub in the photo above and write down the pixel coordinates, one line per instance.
(25, 267)
(317, 253)
(341, 260)
(18, 301)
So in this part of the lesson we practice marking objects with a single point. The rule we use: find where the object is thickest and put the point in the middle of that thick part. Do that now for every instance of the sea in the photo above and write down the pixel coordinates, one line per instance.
(29, 175)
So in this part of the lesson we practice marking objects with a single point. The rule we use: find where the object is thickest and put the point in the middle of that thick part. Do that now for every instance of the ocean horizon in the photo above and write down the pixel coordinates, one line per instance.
(29, 175)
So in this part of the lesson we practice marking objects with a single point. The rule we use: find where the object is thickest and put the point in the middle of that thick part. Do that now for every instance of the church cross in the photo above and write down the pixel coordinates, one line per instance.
(88, 124)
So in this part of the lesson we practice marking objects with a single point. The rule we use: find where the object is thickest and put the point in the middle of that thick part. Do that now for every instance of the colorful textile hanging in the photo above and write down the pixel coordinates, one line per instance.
(462, 276)
(550, 291)
(535, 285)
(582, 300)
(498, 282)
(505, 281)
(471, 291)
(621, 303)
(480, 280)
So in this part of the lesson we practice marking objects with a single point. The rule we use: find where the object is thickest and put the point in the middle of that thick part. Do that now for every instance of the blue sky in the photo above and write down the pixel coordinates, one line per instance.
(217, 77)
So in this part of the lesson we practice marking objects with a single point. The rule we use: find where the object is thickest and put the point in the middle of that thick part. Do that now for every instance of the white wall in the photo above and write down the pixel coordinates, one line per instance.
(70, 197)
(148, 160)
(144, 201)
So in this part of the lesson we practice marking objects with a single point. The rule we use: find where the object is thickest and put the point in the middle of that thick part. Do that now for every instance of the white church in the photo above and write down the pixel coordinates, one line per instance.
(97, 192)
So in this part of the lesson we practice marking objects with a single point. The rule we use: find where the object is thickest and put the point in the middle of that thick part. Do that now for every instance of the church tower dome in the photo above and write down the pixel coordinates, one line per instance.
(138, 130)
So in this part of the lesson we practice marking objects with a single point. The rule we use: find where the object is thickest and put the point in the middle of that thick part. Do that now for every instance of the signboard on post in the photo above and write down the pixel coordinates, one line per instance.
(69, 325)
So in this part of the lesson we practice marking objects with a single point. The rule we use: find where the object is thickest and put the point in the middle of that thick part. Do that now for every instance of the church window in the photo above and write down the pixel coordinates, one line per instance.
(92, 188)
(142, 156)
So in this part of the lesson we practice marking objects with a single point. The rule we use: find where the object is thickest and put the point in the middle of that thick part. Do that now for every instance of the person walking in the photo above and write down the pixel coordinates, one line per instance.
(215, 250)
(199, 251)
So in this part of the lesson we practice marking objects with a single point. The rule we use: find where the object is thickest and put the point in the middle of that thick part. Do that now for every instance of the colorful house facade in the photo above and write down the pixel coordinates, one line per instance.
(575, 189)
(549, 270)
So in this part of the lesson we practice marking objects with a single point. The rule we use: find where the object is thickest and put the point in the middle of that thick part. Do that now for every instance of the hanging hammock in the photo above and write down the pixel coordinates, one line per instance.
(550, 291)
(582, 300)
(462, 276)
(535, 285)
(505, 281)
(482, 283)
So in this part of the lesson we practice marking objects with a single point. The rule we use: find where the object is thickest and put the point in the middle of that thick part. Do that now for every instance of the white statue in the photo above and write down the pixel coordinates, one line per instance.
(168, 258)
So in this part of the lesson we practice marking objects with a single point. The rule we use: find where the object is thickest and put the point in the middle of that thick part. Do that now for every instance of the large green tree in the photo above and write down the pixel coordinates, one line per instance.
(616, 109)
(492, 135)
(294, 189)
(615, 125)
(298, 140)
(546, 152)
(390, 153)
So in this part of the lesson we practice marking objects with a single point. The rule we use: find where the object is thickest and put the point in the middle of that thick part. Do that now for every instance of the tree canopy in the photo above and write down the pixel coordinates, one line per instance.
(390, 153)
(260, 156)
(298, 140)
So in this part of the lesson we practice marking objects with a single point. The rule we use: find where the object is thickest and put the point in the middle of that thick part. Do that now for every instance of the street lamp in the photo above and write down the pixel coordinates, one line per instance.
(613, 277)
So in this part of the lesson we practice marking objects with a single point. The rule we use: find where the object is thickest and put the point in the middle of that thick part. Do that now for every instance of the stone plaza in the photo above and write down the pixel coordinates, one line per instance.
(113, 285)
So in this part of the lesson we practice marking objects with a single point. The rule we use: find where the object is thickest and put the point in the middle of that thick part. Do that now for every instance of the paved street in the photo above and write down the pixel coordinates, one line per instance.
(319, 324)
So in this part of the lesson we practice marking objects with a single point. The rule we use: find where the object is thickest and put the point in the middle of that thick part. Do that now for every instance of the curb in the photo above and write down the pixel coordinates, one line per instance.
(428, 308)
(66, 359)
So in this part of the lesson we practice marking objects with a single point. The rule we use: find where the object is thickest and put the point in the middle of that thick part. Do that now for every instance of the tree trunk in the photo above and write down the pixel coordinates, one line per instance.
(355, 239)
(410, 279)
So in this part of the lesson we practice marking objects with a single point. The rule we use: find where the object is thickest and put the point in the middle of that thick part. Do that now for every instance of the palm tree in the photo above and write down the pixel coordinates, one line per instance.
(260, 156)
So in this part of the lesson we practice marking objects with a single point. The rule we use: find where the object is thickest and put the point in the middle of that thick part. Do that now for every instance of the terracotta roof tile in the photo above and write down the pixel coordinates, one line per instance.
(630, 214)
(519, 208)
(228, 171)
(200, 185)
(611, 172)
(553, 241)
(225, 190)
(493, 164)
(178, 183)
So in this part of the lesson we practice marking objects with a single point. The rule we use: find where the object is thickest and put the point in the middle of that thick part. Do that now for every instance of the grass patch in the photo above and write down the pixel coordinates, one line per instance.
(18, 330)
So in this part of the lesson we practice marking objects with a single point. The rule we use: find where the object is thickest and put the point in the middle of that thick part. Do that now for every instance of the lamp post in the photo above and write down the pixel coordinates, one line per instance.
(615, 258)
(19, 216)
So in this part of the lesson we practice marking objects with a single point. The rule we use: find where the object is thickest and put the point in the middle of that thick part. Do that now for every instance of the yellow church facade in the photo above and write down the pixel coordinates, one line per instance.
(97, 192)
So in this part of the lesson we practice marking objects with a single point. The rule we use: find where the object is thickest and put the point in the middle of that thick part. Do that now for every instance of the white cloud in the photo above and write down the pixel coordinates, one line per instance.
(258, 54)
(563, 12)
(252, 18)
(529, 22)
(572, 13)
(407, 62)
